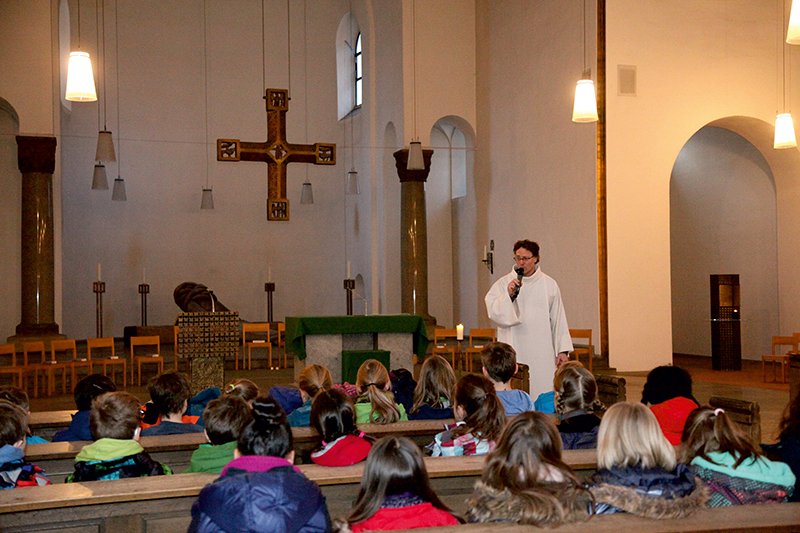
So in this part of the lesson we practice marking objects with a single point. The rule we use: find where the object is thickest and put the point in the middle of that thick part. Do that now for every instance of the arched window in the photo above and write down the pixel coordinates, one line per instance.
(349, 66)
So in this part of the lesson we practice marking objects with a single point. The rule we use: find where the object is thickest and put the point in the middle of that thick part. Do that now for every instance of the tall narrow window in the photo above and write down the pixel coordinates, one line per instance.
(359, 73)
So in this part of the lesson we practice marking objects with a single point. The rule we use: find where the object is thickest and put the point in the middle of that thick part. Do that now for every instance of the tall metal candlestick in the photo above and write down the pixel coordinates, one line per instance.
(99, 287)
(144, 290)
(269, 287)
(349, 286)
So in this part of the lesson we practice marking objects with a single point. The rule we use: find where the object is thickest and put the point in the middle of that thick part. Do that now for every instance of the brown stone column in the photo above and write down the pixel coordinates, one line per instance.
(36, 158)
(413, 237)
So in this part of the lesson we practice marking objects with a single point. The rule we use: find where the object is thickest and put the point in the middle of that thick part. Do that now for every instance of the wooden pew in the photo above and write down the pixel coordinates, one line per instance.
(163, 503)
(45, 424)
(771, 518)
(745, 413)
(57, 458)
(611, 389)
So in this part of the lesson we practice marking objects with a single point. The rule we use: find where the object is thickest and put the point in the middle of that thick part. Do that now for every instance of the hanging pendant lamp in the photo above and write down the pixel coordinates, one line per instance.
(584, 107)
(784, 132)
(80, 78)
(351, 182)
(307, 193)
(105, 147)
(415, 158)
(118, 194)
(793, 32)
(99, 178)
(207, 201)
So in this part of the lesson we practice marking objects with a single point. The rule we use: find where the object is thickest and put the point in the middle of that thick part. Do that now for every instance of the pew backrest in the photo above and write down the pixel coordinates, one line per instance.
(745, 413)
(611, 389)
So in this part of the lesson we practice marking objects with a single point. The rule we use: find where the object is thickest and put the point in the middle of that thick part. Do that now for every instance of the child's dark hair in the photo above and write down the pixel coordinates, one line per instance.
(16, 396)
(500, 361)
(790, 421)
(89, 388)
(268, 433)
(394, 466)
(576, 389)
(665, 383)
(710, 430)
(13, 423)
(169, 391)
(225, 418)
(242, 388)
(484, 414)
(115, 415)
(333, 415)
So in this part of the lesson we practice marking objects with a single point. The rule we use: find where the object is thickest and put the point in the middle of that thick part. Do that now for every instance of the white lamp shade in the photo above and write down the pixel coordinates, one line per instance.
(118, 194)
(784, 132)
(99, 179)
(207, 201)
(351, 182)
(793, 33)
(415, 159)
(80, 78)
(307, 193)
(584, 108)
(105, 147)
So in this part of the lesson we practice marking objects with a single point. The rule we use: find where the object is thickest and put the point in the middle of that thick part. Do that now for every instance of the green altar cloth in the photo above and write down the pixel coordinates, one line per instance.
(297, 327)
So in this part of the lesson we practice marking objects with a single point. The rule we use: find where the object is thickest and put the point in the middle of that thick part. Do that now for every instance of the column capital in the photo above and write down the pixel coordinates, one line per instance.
(401, 162)
(36, 154)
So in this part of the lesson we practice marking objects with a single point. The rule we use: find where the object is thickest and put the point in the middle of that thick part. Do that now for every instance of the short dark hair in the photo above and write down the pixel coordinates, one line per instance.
(115, 415)
(89, 388)
(168, 392)
(500, 361)
(665, 383)
(16, 396)
(225, 418)
(13, 423)
(531, 246)
(268, 433)
(332, 414)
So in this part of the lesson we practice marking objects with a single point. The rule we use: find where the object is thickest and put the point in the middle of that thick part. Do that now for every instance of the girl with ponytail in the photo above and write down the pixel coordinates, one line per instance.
(333, 416)
(261, 490)
(375, 401)
(732, 467)
(577, 406)
(480, 419)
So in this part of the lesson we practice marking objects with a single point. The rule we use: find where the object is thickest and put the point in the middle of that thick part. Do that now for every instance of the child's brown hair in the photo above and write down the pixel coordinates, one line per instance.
(242, 388)
(13, 423)
(485, 416)
(575, 389)
(169, 392)
(115, 415)
(710, 430)
(314, 378)
(16, 396)
(500, 361)
(225, 418)
(374, 385)
(436, 384)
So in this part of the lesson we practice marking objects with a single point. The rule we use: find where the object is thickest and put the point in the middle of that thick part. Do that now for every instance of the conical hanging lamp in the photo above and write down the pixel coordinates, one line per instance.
(584, 107)
(793, 32)
(207, 199)
(784, 125)
(99, 178)
(118, 194)
(105, 143)
(415, 157)
(80, 78)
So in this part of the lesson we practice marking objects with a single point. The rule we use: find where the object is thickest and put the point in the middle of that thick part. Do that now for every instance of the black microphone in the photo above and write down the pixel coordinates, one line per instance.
(520, 271)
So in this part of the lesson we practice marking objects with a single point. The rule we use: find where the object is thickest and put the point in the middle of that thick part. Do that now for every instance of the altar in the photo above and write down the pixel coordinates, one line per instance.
(322, 340)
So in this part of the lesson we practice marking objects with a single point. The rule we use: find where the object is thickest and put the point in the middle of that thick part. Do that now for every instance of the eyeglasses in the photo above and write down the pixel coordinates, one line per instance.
(522, 259)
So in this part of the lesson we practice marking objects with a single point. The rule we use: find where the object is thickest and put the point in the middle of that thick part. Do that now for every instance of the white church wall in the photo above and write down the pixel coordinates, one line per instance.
(535, 168)
(722, 221)
(10, 213)
(440, 232)
(678, 92)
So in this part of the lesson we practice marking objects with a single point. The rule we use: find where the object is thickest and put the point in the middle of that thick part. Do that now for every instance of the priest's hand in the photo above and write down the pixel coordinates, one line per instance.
(513, 287)
(562, 358)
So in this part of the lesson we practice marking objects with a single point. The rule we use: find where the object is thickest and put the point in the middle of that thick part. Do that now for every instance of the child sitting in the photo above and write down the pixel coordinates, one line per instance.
(375, 402)
(733, 468)
(576, 405)
(225, 418)
(116, 454)
(636, 468)
(480, 419)
(787, 449)
(170, 395)
(499, 365)
(244, 389)
(14, 471)
(86, 390)
(261, 490)
(313, 379)
(395, 491)
(668, 391)
(433, 395)
(20, 398)
(525, 480)
(333, 416)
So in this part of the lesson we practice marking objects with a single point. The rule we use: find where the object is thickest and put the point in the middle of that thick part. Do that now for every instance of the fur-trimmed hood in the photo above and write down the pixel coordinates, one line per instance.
(636, 502)
(546, 505)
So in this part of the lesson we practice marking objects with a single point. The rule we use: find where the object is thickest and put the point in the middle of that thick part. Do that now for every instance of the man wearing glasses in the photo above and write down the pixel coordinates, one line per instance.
(530, 317)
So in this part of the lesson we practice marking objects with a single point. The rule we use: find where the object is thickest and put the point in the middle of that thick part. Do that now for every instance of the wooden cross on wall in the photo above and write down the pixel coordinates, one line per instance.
(277, 153)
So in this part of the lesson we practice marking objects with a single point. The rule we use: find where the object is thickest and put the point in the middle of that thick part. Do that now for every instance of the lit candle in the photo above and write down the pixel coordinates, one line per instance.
(484, 252)
(349, 271)
(99, 272)
(144, 275)
(269, 273)
(460, 332)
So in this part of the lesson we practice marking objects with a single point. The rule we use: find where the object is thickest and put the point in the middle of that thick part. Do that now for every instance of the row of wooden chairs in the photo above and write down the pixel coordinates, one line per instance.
(445, 342)
(782, 346)
(256, 335)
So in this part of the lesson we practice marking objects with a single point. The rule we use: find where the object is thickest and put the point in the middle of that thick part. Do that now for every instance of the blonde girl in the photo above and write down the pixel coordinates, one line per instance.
(313, 379)
(375, 402)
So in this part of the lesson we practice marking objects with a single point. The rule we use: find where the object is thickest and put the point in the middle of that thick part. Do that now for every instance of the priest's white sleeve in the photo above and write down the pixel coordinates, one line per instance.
(501, 310)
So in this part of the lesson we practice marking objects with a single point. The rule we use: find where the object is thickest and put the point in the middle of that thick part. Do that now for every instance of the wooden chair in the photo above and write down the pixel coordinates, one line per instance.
(522, 379)
(73, 363)
(588, 349)
(8, 364)
(745, 413)
(445, 342)
(111, 360)
(478, 338)
(33, 366)
(282, 335)
(611, 389)
(254, 341)
(148, 358)
(781, 359)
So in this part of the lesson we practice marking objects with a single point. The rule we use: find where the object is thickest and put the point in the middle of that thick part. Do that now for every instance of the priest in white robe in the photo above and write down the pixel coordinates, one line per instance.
(533, 321)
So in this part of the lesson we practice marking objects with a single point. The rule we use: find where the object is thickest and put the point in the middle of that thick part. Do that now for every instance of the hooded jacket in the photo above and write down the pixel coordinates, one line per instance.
(115, 459)
(15, 472)
(260, 493)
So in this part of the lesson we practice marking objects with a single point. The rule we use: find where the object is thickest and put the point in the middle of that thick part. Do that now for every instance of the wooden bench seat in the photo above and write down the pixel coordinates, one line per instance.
(119, 505)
